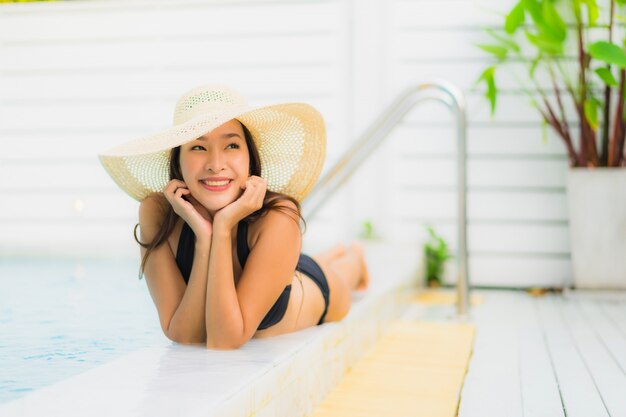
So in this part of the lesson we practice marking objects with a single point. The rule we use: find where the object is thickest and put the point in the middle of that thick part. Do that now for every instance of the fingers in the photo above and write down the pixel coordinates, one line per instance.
(174, 192)
(172, 188)
(173, 184)
(257, 183)
(181, 191)
(256, 187)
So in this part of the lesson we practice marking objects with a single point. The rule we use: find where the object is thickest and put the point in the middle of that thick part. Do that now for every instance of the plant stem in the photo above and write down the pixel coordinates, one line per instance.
(579, 158)
(566, 131)
(606, 125)
(617, 141)
(561, 128)
(588, 152)
(554, 122)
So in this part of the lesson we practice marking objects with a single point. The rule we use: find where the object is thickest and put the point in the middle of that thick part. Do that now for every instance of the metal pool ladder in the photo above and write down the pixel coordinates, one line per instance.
(338, 174)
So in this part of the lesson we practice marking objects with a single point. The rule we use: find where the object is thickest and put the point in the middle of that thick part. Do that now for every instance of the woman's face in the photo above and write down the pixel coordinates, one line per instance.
(216, 165)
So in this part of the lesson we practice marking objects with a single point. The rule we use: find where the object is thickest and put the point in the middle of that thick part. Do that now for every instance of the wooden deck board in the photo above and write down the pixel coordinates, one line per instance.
(579, 393)
(547, 356)
(493, 369)
(610, 334)
(540, 393)
(616, 314)
(599, 359)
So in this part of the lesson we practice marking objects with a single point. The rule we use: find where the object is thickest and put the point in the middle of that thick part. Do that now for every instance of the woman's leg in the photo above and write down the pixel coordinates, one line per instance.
(345, 271)
(330, 254)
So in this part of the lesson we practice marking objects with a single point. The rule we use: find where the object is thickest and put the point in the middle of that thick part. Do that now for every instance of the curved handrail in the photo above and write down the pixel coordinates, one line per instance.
(341, 171)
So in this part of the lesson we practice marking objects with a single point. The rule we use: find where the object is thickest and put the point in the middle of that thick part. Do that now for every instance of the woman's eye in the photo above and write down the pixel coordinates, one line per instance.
(193, 148)
(234, 144)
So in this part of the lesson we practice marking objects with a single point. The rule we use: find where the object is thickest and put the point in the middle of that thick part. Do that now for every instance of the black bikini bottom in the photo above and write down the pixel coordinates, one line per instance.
(307, 265)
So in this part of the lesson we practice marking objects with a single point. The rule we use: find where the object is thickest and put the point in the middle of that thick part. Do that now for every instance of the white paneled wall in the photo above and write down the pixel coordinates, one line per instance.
(78, 77)
(518, 231)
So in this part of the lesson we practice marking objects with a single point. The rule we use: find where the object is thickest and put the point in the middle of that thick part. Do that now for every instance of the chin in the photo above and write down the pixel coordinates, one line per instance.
(214, 204)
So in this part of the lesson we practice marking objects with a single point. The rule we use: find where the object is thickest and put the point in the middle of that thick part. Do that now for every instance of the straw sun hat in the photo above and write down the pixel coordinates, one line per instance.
(290, 137)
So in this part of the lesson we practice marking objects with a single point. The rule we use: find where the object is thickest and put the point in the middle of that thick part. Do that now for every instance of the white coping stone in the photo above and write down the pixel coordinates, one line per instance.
(286, 375)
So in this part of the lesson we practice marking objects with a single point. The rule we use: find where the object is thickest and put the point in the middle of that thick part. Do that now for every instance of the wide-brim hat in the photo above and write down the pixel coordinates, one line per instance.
(290, 137)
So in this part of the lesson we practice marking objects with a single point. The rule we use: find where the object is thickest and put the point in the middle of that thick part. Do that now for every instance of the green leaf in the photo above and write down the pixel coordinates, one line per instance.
(592, 12)
(552, 24)
(545, 44)
(436, 252)
(533, 7)
(576, 9)
(488, 77)
(506, 42)
(499, 51)
(591, 113)
(515, 18)
(608, 52)
(551, 28)
(533, 66)
(607, 76)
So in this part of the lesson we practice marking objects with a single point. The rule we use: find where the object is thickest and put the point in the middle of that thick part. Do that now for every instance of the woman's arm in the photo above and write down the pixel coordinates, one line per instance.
(181, 307)
(224, 323)
(188, 322)
(233, 314)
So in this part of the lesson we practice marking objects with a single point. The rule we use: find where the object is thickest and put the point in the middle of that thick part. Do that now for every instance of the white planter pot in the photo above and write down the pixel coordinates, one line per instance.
(597, 226)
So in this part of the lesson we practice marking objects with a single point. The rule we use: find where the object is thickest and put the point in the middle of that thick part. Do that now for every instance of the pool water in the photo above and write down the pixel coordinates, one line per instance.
(59, 318)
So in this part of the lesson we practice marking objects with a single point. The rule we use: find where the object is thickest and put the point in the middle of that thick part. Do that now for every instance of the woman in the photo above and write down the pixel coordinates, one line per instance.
(220, 240)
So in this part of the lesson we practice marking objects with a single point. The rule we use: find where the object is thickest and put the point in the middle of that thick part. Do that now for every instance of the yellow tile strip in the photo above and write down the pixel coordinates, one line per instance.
(441, 297)
(416, 369)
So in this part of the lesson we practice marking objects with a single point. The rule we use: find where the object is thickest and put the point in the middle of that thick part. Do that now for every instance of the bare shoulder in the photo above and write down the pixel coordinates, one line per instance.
(283, 212)
(282, 217)
(152, 211)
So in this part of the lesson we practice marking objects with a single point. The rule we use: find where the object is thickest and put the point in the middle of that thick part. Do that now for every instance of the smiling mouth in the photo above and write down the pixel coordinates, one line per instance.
(216, 183)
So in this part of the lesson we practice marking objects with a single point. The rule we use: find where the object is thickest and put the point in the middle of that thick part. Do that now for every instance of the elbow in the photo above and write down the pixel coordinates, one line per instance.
(226, 341)
(182, 339)
(223, 346)
(174, 337)
(216, 344)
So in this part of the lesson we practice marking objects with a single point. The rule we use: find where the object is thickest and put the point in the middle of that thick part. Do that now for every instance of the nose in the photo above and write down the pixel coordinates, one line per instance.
(214, 162)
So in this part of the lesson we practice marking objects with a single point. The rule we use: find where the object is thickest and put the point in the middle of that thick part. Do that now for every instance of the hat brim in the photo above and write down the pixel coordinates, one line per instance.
(291, 140)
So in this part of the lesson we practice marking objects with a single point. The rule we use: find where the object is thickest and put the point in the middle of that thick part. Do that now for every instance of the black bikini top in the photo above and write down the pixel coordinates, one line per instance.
(184, 260)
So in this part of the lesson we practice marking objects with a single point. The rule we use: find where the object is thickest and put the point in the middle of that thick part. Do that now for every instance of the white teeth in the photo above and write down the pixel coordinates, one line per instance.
(216, 183)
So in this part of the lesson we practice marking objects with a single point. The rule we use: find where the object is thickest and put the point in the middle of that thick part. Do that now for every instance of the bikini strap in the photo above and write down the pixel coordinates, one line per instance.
(242, 243)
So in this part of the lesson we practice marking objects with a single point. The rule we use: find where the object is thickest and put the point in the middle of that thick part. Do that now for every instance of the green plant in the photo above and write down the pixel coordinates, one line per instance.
(435, 256)
(552, 38)
(367, 231)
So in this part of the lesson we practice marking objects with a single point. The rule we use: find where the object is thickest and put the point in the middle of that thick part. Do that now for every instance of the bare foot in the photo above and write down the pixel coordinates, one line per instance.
(363, 283)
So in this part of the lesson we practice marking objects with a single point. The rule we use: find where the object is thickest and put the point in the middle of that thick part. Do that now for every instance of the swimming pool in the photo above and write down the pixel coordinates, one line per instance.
(59, 318)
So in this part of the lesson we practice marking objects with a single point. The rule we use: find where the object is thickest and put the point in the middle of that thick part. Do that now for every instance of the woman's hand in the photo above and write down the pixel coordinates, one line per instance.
(250, 201)
(189, 209)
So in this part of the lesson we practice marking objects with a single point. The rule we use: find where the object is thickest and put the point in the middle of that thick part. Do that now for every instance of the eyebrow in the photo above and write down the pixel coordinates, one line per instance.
(224, 136)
